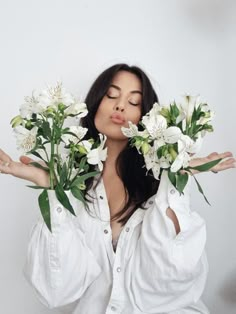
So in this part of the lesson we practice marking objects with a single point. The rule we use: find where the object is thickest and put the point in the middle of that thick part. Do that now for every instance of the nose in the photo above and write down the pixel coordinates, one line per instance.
(119, 108)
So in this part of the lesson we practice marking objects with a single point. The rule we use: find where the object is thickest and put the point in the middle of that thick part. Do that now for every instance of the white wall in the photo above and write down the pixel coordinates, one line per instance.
(185, 46)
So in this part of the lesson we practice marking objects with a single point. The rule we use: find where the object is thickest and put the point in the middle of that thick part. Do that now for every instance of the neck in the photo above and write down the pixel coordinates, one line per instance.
(113, 150)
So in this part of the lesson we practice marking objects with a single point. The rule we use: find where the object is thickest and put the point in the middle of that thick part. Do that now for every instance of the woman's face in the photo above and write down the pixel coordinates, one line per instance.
(122, 103)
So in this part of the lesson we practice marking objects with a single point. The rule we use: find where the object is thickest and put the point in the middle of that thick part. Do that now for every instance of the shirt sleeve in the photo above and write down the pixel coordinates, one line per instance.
(59, 265)
(167, 272)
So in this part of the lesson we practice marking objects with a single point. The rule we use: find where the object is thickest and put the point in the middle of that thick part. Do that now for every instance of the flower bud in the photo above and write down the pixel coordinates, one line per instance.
(207, 114)
(82, 186)
(50, 111)
(138, 143)
(165, 112)
(28, 125)
(16, 121)
(61, 107)
(145, 148)
(82, 150)
(172, 152)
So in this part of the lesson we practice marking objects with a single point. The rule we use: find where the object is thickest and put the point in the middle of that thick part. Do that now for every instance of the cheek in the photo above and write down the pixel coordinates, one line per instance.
(99, 117)
(136, 116)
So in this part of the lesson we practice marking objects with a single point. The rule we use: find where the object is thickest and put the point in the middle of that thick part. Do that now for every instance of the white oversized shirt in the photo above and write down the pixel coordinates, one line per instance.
(154, 271)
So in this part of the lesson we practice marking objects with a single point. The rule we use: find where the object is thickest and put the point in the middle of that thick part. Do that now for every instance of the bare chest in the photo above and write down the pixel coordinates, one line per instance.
(116, 198)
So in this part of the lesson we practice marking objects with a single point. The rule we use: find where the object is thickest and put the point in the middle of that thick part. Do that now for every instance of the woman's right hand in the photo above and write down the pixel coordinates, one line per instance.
(23, 169)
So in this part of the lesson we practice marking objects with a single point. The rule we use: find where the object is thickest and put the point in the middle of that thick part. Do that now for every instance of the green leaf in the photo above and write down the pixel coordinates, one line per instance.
(84, 177)
(63, 198)
(206, 166)
(38, 165)
(161, 151)
(37, 155)
(63, 174)
(77, 194)
(45, 208)
(174, 111)
(82, 162)
(57, 132)
(181, 181)
(172, 177)
(37, 187)
(201, 190)
(46, 129)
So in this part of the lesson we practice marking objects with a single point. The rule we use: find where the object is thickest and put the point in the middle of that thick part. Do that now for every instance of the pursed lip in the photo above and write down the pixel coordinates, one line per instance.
(117, 118)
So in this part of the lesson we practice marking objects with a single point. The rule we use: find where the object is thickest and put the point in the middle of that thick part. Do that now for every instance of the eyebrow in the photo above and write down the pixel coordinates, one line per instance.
(132, 92)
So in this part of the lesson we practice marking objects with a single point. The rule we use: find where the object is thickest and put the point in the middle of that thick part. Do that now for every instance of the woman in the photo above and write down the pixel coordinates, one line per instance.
(139, 249)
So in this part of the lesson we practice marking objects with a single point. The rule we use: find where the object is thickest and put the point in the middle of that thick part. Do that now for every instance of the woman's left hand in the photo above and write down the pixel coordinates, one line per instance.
(227, 162)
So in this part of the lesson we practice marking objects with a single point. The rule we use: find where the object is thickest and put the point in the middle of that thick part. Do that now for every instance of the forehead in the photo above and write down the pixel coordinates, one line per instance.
(127, 81)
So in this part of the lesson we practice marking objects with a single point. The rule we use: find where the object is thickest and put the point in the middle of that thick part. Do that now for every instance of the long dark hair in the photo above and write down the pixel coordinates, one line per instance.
(130, 164)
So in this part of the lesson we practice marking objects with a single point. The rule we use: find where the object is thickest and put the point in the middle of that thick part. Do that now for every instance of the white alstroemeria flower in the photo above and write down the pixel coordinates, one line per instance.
(152, 162)
(86, 145)
(30, 106)
(25, 139)
(172, 134)
(182, 160)
(188, 105)
(209, 115)
(132, 131)
(196, 145)
(165, 161)
(97, 155)
(154, 124)
(53, 96)
(185, 148)
(79, 131)
(77, 109)
(156, 109)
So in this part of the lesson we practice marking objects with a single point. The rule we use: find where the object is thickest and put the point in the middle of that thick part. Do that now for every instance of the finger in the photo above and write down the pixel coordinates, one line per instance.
(224, 165)
(231, 163)
(4, 157)
(26, 160)
(214, 155)
(225, 155)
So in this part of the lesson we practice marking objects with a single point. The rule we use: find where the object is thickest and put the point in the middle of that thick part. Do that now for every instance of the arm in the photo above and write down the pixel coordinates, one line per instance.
(168, 270)
(59, 265)
(230, 162)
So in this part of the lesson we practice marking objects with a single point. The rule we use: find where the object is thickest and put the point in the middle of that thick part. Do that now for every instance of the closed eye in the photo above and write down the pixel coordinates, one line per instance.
(133, 104)
(111, 97)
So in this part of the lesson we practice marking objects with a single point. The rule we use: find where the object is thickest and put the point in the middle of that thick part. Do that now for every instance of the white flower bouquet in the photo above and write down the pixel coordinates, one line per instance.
(169, 136)
(69, 159)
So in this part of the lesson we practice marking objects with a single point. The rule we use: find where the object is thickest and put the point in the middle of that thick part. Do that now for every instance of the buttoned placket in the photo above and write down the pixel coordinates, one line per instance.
(116, 298)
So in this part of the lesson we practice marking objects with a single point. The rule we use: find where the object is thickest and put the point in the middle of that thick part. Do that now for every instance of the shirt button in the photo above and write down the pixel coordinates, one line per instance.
(101, 197)
(59, 209)
(172, 191)
(150, 202)
(113, 308)
(106, 231)
(127, 229)
(118, 269)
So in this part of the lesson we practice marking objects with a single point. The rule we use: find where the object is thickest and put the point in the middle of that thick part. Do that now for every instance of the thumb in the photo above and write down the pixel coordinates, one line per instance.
(26, 160)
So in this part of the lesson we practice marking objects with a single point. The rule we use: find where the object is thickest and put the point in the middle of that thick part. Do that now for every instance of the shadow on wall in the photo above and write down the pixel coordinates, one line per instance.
(211, 16)
(228, 288)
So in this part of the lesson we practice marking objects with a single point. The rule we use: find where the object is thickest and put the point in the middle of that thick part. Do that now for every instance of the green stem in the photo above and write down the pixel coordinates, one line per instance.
(51, 163)
(70, 164)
